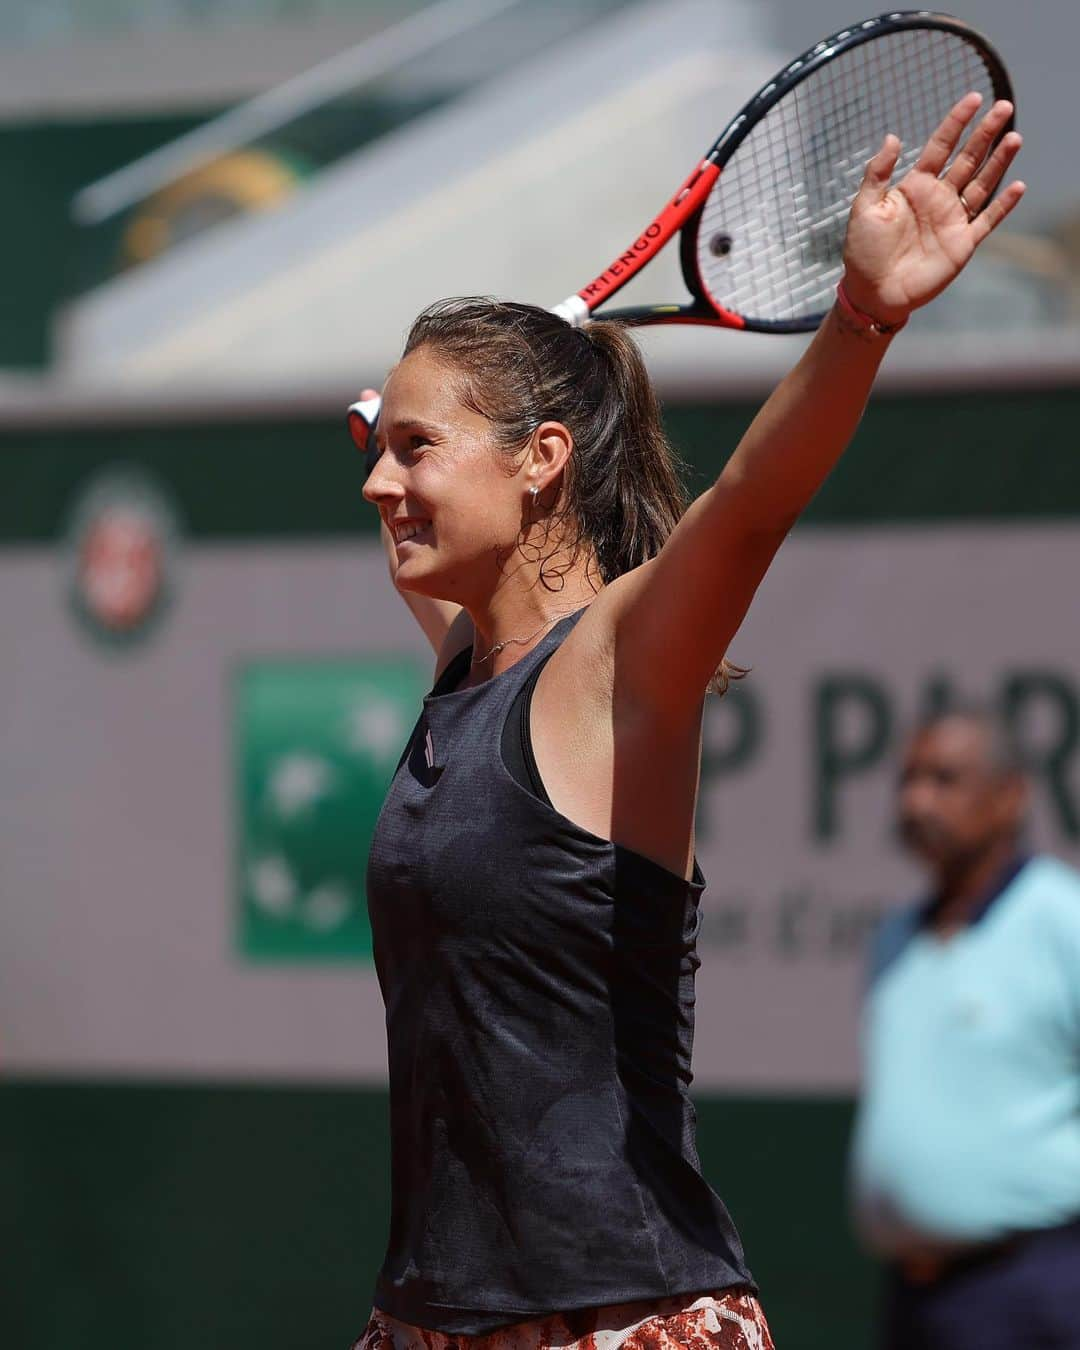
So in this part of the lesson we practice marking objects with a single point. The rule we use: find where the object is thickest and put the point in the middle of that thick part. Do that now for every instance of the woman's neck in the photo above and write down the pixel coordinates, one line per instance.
(521, 611)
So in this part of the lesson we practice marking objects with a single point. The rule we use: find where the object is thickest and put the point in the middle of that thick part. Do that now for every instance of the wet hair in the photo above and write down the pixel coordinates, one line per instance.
(521, 366)
(1004, 755)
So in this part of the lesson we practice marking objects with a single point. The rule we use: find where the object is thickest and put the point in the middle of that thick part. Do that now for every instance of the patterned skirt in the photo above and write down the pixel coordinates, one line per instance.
(731, 1320)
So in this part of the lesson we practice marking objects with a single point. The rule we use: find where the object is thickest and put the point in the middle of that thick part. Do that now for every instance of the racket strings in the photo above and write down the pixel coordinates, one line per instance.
(780, 206)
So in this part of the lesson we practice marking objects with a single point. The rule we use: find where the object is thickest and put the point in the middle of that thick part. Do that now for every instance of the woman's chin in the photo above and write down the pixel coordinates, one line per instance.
(413, 577)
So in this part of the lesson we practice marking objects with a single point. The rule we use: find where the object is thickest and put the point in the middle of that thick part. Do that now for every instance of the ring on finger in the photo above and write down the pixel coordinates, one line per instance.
(967, 206)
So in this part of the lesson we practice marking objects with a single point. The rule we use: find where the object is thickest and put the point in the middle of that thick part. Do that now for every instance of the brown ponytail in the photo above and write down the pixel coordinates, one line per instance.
(522, 366)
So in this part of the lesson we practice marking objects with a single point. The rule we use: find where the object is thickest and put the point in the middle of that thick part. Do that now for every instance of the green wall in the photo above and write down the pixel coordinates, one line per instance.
(170, 1217)
(952, 456)
(46, 258)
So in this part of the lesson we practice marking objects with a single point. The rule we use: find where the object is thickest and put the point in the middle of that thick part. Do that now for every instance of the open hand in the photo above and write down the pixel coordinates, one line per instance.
(907, 242)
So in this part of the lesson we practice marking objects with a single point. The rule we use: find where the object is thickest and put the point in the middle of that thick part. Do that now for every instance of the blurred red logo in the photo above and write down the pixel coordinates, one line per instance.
(121, 568)
(121, 549)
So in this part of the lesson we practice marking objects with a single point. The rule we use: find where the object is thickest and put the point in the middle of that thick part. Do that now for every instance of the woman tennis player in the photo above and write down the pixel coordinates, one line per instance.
(532, 884)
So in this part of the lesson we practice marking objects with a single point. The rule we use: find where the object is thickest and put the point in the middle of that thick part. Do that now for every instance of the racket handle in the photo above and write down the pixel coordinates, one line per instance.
(574, 310)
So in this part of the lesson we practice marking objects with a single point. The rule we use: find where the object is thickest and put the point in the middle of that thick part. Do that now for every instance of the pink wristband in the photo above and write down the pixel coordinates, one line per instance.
(865, 321)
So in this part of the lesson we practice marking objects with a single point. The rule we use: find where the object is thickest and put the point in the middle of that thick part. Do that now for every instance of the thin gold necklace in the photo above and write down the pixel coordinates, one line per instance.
(518, 641)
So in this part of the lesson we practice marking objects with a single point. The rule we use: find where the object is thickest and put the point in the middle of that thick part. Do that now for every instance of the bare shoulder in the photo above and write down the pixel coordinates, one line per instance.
(649, 660)
(458, 636)
(592, 657)
(581, 674)
(607, 761)
(582, 663)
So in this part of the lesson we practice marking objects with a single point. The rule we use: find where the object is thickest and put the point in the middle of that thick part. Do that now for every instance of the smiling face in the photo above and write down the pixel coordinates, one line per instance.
(451, 498)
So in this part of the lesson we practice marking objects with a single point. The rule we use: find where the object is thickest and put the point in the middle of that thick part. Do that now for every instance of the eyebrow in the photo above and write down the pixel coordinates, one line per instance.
(404, 424)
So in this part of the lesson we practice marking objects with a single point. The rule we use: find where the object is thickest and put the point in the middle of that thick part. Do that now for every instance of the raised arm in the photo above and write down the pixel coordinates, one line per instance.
(436, 617)
(443, 623)
(905, 244)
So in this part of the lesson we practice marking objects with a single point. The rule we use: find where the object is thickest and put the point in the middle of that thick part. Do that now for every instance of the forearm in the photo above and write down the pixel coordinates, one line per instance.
(716, 557)
(904, 244)
(800, 432)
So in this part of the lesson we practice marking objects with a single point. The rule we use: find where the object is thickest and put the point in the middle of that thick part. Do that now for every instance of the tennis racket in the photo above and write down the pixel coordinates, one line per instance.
(761, 220)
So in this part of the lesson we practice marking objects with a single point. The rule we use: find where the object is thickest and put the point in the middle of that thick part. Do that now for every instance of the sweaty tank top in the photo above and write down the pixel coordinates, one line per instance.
(539, 991)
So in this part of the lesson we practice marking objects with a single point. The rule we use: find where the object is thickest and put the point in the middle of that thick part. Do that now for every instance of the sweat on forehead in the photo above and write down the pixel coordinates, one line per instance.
(424, 383)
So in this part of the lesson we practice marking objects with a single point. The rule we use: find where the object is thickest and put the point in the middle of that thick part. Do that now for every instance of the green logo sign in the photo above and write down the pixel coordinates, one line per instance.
(317, 743)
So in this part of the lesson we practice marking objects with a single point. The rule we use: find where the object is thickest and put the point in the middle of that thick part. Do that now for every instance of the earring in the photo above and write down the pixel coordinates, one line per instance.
(534, 494)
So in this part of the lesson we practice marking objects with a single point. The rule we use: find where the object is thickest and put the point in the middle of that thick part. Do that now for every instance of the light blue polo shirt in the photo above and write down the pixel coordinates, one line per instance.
(969, 1125)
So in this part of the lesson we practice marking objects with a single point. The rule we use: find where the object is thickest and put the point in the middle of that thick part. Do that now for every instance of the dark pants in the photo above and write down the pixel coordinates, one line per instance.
(1024, 1295)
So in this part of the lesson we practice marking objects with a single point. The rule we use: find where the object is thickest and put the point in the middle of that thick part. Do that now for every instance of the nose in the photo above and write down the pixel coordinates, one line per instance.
(383, 486)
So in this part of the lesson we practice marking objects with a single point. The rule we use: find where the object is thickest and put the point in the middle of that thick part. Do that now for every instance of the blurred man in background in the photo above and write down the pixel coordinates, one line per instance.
(966, 1161)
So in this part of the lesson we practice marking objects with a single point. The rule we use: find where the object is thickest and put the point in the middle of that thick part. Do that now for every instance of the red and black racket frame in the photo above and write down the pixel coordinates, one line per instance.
(683, 211)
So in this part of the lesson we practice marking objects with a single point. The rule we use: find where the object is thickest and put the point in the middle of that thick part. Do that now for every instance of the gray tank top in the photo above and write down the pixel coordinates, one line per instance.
(539, 990)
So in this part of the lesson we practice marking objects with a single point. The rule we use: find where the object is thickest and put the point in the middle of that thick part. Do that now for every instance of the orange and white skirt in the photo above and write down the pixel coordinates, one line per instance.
(730, 1320)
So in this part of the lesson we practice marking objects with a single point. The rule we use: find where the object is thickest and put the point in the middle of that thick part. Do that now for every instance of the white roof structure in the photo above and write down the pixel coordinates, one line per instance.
(526, 185)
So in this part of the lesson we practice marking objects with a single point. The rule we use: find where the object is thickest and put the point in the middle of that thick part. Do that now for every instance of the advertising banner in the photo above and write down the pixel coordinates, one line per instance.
(186, 812)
